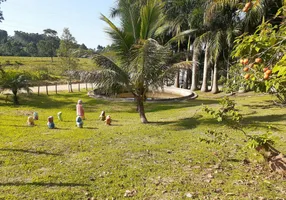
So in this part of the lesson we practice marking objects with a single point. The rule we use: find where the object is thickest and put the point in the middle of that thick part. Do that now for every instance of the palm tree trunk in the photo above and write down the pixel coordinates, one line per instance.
(214, 84)
(195, 70)
(140, 109)
(186, 79)
(177, 79)
(204, 87)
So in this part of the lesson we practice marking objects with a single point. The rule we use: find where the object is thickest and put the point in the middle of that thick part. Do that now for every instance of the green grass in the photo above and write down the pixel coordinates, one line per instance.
(161, 160)
(42, 63)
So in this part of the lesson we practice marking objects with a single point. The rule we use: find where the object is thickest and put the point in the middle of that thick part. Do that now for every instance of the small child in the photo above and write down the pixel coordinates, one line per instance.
(30, 121)
(108, 120)
(79, 122)
(102, 116)
(51, 123)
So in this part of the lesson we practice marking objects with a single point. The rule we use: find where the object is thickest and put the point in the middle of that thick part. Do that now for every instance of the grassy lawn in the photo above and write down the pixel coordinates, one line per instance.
(42, 63)
(161, 160)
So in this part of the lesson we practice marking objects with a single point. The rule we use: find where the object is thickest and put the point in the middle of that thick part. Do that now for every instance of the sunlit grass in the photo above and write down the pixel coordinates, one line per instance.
(161, 160)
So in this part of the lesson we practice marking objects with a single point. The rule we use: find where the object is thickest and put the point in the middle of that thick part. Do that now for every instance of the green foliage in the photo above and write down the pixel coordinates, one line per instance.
(267, 43)
(140, 62)
(227, 112)
(215, 137)
(261, 140)
(15, 80)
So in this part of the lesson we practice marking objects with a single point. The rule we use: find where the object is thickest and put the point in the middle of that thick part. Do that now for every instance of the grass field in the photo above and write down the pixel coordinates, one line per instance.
(161, 160)
(41, 63)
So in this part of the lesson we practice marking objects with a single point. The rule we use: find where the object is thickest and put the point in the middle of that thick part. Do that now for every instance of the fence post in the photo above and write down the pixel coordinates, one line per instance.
(47, 89)
(38, 90)
(79, 86)
(86, 86)
(56, 87)
(68, 86)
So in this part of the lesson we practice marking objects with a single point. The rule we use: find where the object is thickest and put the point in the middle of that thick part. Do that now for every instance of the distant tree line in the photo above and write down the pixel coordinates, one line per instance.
(37, 45)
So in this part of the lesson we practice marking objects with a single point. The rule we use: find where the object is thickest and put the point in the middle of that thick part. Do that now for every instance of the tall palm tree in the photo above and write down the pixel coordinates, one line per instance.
(185, 18)
(140, 62)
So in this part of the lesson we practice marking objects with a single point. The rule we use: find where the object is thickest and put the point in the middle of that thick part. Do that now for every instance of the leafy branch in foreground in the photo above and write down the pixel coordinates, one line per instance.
(263, 143)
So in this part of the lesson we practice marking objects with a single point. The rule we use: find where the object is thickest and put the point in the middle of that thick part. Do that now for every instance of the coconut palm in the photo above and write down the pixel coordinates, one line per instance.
(140, 62)
(15, 81)
(185, 18)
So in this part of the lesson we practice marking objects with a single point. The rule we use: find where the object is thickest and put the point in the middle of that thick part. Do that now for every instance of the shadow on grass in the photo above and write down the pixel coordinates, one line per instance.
(189, 123)
(265, 118)
(259, 106)
(185, 123)
(44, 184)
(92, 128)
(31, 151)
(22, 126)
(154, 107)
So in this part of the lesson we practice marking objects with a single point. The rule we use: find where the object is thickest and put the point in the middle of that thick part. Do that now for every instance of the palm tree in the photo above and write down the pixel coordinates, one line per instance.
(15, 81)
(185, 20)
(140, 62)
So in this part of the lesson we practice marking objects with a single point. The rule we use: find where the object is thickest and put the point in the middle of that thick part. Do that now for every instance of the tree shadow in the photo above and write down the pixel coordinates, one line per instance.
(260, 106)
(45, 184)
(265, 118)
(154, 107)
(265, 121)
(32, 151)
(184, 123)
(92, 128)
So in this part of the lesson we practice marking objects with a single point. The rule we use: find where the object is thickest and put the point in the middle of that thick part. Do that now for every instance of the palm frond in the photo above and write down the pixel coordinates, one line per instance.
(149, 61)
(110, 72)
(152, 18)
(121, 39)
(184, 65)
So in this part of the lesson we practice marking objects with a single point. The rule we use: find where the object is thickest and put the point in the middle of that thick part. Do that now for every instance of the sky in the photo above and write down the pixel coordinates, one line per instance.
(82, 17)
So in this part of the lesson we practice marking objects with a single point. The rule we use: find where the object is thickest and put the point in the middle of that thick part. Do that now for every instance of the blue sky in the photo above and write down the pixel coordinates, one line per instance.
(80, 16)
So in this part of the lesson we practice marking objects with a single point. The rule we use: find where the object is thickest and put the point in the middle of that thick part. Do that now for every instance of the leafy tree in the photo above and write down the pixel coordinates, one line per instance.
(3, 36)
(1, 14)
(32, 49)
(15, 81)
(67, 53)
(263, 58)
(52, 42)
(140, 62)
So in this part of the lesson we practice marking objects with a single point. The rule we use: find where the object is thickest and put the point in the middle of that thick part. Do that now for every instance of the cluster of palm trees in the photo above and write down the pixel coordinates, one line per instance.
(151, 32)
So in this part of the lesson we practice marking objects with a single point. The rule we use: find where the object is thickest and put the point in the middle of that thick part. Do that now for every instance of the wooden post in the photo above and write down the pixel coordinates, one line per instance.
(56, 87)
(47, 89)
(38, 90)
(79, 86)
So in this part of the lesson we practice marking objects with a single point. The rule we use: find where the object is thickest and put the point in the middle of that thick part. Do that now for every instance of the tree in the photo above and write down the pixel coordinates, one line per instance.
(140, 62)
(15, 81)
(32, 49)
(67, 54)
(3, 36)
(263, 59)
(186, 15)
(52, 42)
(1, 14)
